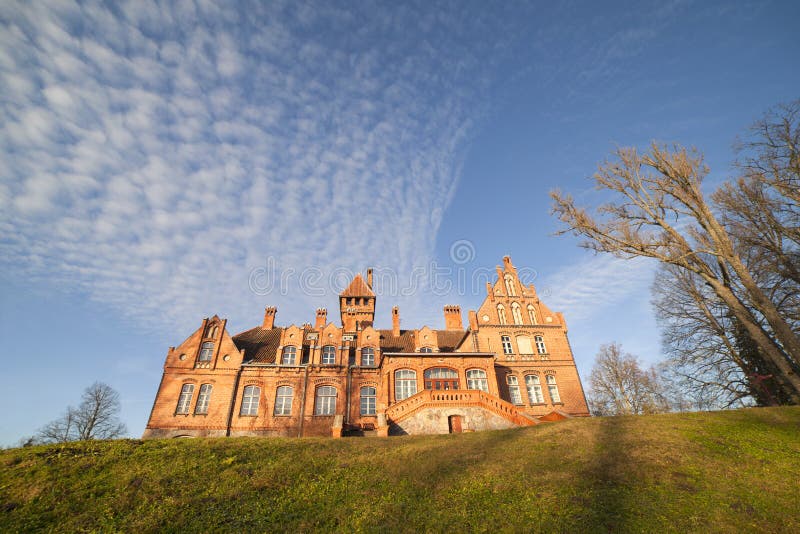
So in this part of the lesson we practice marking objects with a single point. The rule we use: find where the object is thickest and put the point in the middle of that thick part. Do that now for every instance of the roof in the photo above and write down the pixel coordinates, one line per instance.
(260, 344)
(357, 288)
(449, 340)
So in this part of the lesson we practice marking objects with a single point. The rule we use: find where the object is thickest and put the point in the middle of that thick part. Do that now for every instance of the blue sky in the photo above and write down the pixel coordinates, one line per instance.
(155, 156)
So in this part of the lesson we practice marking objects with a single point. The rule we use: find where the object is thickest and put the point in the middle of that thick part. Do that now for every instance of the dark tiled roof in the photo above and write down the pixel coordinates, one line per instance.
(357, 288)
(260, 345)
(449, 340)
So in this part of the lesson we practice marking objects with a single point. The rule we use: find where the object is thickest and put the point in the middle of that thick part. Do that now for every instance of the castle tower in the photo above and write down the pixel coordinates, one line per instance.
(357, 304)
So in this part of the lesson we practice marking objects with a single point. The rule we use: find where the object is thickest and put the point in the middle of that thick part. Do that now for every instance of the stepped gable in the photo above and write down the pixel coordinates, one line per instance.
(357, 288)
(260, 344)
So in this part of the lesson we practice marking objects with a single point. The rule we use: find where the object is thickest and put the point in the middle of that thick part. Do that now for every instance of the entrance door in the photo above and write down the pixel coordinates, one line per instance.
(455, 424)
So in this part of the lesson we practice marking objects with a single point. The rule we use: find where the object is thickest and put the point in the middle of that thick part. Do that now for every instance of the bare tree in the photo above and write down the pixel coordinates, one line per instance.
(97, 417)
(619, 385)
(661, 213)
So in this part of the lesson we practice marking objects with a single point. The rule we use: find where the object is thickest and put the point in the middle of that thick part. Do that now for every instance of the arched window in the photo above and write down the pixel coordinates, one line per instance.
(201, 408)
(368, 397)
(212, 332)
(326, 401)
(552, 389)
(476, 379)
(367, 357)
(250, 399)
(513, 389)
(501, 314)
(441, 378)
(524, 345)
(516, 312)
(531, 314)
(206, 351)
(426, 349)
(510, 287)
(328, 355)
(283, 400)
(540, 348)
(405, 384)
(185, 399)
(507, 348)
(534, 386)
(289, 355)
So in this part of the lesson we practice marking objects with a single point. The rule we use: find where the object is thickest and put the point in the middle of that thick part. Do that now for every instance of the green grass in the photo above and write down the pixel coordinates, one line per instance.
(721, 472)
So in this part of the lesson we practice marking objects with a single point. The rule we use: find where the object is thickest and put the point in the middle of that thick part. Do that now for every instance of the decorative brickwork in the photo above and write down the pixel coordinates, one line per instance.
(513, 366)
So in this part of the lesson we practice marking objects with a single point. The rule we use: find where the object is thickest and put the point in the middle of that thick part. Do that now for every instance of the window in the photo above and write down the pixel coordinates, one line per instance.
(531, 314)
(540, 348)
(250, 400)
(552, 388)
(516, 312)
(507, 348)
(426, 349)
(441, 378)
(328, 355)
(510, 288)
(326, 401)
(351, 357)
(212, 332)
(283, 400)
(476, 379)
(501, 314)
(405, 384)
(367, 356)
(368, 395)
(524, 345)
(185, 398)
(534, 386)
(513, 389)
(201, 408)
(206, 352)
(289, 355)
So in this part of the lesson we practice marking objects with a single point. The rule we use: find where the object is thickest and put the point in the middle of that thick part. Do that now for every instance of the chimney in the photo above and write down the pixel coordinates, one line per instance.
(473, 320)
(322, 318)
(452, 318)
(269, 317)
(395, 321)
(369, 277)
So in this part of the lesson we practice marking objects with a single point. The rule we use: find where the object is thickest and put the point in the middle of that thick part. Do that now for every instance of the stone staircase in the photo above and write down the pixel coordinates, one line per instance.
(429, 398)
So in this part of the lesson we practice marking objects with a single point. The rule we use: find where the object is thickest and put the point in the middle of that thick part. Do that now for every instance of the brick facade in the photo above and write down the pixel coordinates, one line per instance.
(512, 366)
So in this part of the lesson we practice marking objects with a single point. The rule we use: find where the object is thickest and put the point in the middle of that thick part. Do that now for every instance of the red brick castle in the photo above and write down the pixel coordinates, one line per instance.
(512, 366)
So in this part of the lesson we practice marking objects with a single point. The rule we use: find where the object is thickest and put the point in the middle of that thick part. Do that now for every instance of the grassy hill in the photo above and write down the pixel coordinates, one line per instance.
(725, 471)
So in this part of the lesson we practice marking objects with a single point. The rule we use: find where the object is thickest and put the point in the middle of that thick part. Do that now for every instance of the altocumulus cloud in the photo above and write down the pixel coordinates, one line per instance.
(154, 154)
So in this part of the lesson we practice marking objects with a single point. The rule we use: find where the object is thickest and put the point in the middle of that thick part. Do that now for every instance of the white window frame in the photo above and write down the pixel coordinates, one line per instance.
(405, 384)
(325, 400)
(289, 355)
(533, 384)
(513, 390)
(540, 346)
(368, 400)
(552, 389)
(328, 355)
(185, 399)
(477, 379)
(206, 352)
(508, 348)
(203, 399)
(284, 396)
(251, 397)
(367, 351)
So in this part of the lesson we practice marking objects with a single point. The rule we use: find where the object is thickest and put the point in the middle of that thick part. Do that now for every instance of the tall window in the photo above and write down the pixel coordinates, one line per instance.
(250, 400)
(516, 312)
(328, 355)
(212, 332)
(283, 400)
(206, 351)
(552, 388)
(501, 314)
(524, 345)
(540, 348)
(367, 356)
(534, 386)
(513, 389)
(201, 408)
(326, 401)
(426, 349)
(289, 355)
(476, 379)
(185, 398)
(531, 314)
(441, 378)
(405, 384)
(368, 395)
(507, 348)
(510, 288)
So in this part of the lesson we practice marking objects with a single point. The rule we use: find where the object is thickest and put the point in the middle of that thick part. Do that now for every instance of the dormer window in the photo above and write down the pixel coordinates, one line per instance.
(426, 349)
(367, 357)
(206, 351)
(328, 355)
(289, 355)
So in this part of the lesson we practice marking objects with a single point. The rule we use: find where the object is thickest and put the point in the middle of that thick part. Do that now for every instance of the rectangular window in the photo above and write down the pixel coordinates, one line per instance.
(368, 398)
(367, 357)
(513, 390)
(283, 401)
(540, 345)
(534, 386)
(507, 349)
(405, 384)
(552, 388)
(476, 379)
(250, 400)
(326, 401)
(185, 399)
(201, 408)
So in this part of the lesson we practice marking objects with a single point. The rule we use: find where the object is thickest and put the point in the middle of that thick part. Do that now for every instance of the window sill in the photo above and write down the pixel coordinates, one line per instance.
(247, 415)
